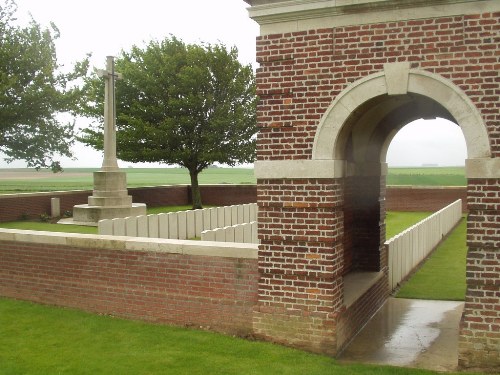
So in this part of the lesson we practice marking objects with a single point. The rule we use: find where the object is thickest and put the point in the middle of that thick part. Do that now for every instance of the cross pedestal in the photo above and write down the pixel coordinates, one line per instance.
(110, 198)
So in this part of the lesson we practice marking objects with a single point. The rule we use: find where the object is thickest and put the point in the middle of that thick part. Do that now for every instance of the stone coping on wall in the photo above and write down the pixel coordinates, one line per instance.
(358, 283)
(42, 193)
(123, 243)
(273, 169)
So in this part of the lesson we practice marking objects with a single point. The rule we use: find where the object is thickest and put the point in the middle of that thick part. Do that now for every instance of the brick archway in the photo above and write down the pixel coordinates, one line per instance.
(399, 79)
(336, 81)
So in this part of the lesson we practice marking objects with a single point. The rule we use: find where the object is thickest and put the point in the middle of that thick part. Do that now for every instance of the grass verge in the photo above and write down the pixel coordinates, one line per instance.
(442, 276)
(398, 221)
(38, 339)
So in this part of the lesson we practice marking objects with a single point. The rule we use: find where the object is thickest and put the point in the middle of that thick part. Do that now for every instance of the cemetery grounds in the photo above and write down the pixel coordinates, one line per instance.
(76, 342)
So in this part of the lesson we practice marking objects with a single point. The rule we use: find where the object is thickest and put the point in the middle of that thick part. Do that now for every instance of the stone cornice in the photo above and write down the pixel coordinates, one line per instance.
(296, 11)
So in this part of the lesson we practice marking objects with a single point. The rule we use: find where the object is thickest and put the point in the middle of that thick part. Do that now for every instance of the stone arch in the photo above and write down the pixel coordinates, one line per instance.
(396, 81)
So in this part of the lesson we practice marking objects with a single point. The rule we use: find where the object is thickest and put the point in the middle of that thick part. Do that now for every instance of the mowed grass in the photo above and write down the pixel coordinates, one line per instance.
(442, 276)
(27, 181)
(398, 221)
(38, 340)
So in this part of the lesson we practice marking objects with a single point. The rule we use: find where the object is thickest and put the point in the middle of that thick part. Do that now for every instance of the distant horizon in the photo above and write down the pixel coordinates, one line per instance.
(221, 167)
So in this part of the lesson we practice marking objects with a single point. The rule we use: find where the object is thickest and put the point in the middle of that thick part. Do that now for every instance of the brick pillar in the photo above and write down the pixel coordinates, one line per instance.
(479, 344)
(300, 262)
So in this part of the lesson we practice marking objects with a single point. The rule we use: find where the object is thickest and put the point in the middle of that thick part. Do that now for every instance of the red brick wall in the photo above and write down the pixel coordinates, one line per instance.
(160, 195)
(13, 206)
(302, 72)
(432, 199)
(398, 198)
(300, 286)
(480, 325)
(206, 291)
(226, 195)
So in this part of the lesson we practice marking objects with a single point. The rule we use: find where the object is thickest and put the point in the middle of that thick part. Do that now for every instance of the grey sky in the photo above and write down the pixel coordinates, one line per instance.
(105, 27)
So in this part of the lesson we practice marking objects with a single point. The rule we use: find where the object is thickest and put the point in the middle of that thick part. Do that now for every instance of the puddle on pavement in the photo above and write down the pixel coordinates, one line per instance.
(413, 333)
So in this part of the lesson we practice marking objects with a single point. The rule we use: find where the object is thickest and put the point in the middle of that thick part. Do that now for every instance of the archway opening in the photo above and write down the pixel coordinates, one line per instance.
(365, 139)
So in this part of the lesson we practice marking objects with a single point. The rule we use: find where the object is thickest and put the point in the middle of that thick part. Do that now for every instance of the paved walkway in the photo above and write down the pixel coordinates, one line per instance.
(410, 333)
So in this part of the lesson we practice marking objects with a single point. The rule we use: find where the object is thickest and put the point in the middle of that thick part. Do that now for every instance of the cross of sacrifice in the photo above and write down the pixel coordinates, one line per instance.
(109, 162)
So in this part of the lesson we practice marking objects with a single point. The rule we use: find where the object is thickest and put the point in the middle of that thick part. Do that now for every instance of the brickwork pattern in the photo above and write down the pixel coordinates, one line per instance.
(187, 290)
(411, 198)
(300, 262)
(302, 72)
(480, 325)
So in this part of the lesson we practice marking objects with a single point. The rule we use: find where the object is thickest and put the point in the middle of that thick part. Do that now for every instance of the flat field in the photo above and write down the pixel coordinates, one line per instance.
(430, 176)
(29, 180)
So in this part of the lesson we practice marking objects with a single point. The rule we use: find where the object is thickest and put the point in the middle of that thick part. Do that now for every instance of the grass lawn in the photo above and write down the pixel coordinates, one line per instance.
(442, 276)
(398, 221)
(36, 339)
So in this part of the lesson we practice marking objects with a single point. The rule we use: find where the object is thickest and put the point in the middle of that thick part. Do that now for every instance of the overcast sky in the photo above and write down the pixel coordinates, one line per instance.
(104, 28)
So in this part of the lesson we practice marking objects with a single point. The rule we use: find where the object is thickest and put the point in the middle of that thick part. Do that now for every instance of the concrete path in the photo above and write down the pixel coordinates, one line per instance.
(410, 333)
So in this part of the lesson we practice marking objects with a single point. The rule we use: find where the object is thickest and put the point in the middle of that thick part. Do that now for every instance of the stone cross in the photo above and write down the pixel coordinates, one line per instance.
(109, 162)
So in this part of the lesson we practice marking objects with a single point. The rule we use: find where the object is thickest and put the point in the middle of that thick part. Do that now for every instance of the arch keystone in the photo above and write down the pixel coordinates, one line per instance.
(396, 77)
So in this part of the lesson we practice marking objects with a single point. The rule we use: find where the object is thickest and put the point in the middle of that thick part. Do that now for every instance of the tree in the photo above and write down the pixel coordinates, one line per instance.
(33, 93)
(183, 104)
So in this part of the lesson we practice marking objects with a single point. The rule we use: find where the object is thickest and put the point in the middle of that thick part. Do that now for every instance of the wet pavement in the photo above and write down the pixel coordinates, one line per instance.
(410, 333)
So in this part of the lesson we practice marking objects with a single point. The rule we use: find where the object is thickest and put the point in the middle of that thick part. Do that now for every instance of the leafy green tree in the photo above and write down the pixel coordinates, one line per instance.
(183, 104)
(34, 93)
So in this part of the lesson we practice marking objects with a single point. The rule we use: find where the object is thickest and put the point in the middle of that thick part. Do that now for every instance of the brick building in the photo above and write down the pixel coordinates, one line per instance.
(337, 80)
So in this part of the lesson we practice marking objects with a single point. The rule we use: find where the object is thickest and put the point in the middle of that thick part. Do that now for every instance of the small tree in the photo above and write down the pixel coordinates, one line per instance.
(184, 104)
(33, 93)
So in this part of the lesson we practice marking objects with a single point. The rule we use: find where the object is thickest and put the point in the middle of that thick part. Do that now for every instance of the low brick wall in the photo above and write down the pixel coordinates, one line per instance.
(178, 282)
(417, 198)
(13, 206)
(399, 198)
